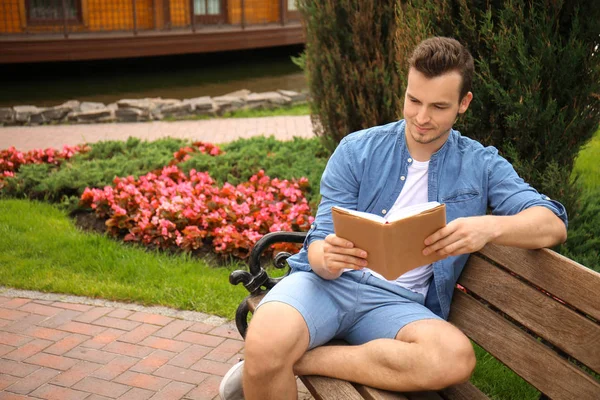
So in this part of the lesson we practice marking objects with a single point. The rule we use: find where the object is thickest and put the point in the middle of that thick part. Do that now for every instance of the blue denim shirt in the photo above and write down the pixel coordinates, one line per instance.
(364, 173)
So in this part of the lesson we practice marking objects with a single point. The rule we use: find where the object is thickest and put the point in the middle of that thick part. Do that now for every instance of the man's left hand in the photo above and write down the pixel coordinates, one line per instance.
(461, 236)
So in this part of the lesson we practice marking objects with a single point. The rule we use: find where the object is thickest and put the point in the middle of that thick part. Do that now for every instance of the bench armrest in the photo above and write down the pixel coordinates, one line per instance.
(256, 281)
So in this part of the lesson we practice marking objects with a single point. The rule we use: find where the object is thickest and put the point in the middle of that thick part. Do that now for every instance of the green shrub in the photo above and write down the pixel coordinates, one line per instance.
(537, 79)
(583, 244)
(350, 65)
(96, 168)
(279, 159)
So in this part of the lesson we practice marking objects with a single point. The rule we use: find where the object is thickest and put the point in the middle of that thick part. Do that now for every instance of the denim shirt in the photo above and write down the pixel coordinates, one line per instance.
(368, 169)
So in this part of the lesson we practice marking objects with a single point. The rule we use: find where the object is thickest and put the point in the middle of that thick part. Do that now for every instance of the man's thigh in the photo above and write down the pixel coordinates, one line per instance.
(323, 304)
(434, 333)
(383, 310)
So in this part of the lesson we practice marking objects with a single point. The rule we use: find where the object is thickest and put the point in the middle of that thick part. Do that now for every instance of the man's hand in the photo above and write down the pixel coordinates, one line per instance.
(461, 236)
(330, 257)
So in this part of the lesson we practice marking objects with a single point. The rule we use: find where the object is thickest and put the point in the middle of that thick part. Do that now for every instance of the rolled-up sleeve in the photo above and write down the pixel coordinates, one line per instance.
(339, 187)
(509, 194)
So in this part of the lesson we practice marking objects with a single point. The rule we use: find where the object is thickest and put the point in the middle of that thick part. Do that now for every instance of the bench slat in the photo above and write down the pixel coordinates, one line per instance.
(532, 360)
(369, 393)
(540, 313)
(330, 389)
(423, 396)
(464, 391)
(561, 276)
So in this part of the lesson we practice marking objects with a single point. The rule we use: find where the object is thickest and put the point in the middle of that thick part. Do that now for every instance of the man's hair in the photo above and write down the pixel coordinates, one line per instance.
(439, 55)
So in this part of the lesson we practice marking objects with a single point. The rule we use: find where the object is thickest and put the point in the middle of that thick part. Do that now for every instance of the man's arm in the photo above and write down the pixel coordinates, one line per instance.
(533, 228)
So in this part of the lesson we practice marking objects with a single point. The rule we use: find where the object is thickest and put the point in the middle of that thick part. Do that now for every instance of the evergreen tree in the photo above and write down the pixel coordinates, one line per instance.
(350, 64)
(537, 78)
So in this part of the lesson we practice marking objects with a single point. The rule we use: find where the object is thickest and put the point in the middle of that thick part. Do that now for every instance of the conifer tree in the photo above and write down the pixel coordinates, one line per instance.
(350, 64)
(537, 78)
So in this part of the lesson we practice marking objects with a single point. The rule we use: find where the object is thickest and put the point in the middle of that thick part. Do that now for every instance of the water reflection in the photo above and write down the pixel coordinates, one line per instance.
(176, 77)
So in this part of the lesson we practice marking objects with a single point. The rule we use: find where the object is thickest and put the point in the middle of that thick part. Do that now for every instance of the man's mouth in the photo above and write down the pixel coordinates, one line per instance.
(422, 129)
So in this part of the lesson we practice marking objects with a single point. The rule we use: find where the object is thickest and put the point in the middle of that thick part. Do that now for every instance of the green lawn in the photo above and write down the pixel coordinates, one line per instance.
(587, 164)
(41, 249)
(296, 109)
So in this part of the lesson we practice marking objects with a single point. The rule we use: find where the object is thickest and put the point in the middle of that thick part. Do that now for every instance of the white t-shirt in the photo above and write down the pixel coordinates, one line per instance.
(413, 192)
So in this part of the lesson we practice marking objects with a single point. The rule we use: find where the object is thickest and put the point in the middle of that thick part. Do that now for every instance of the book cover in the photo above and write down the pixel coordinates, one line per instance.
(394, 246)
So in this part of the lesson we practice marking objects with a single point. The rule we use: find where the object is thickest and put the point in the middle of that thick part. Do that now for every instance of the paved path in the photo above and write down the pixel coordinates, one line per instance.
(59, 347)
(219, 130)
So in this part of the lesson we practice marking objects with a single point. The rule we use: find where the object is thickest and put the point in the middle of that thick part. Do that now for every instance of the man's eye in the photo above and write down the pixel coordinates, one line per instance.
(414, 100)
(441, 107)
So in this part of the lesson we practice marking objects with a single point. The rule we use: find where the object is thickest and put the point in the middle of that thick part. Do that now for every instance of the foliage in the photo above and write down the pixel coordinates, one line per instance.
(96, 167)
(170, 209)
(537, 80)
(11, 159)
(282, 159)
(583, 244)
(350, 65)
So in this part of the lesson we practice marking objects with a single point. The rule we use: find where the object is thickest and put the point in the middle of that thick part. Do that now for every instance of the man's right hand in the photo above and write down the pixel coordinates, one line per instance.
(328, 258)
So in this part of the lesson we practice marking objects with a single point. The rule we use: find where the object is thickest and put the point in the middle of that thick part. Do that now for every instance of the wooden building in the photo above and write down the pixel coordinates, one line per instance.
(57, 30)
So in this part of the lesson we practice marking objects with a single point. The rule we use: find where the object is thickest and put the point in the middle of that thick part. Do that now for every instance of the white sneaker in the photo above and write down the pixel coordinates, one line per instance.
(231, 384)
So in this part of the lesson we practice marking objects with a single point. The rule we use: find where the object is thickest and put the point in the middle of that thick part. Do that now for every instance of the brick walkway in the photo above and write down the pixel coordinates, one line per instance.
(212, 130)
(60, 347)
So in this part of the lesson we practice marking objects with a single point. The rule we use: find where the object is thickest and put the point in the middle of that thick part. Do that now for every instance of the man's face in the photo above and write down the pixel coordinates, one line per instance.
(431, 106)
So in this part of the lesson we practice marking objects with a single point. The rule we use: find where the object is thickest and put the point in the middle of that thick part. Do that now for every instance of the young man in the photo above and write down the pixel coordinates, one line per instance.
(400, 339)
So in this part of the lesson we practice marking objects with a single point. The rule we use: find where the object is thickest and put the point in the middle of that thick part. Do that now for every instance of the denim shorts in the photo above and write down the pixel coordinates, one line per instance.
(356, 307)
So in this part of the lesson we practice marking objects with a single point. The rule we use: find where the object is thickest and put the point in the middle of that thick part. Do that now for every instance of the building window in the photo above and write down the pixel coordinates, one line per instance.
(291, 5)
(53, 11)
(207, 7)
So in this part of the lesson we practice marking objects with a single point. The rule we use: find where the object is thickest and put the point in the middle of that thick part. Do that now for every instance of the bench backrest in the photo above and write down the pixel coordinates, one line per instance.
(538, 313)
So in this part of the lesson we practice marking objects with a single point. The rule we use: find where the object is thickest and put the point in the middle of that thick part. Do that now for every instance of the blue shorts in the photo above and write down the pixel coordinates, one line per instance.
(356, 307)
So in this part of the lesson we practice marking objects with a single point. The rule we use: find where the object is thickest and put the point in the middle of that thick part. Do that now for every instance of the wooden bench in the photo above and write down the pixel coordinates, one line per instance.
(534, 310)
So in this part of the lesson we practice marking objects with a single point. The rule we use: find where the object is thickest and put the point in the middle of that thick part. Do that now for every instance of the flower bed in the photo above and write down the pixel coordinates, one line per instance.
(171, 209)
(11, 159)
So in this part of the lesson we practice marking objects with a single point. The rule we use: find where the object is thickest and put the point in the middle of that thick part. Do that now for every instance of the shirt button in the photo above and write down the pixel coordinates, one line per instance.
(312, 226)
(383, 211)
(402, 178)
(409, 160)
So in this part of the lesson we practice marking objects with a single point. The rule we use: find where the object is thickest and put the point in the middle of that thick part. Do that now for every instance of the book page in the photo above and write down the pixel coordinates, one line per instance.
(411, 210)
(362, 214)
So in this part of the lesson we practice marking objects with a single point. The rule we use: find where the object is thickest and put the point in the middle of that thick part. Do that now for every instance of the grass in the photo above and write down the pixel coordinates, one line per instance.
(296, 109)
(41, 249)
(497, 381)
(586, 163)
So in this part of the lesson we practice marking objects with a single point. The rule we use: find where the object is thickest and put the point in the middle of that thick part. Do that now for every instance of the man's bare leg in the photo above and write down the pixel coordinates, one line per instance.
(277, 337)
(426, 355)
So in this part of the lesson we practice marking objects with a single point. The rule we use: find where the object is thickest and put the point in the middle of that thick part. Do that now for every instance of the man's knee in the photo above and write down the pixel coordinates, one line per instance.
(449, 352)
(453, 362)
(277, 337)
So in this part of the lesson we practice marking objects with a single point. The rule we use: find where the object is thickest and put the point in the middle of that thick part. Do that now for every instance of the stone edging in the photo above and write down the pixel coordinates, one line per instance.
(168, 312)
(148, 109)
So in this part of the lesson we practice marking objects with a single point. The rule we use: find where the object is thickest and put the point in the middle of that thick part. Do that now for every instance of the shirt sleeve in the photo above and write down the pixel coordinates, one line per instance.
(509, 194)
(339, 186)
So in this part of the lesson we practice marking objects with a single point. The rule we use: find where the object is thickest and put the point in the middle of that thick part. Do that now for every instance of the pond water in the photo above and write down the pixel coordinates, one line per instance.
(178, 77)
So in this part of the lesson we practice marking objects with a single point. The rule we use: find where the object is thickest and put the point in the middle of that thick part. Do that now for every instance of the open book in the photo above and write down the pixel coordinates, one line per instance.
(394, 246)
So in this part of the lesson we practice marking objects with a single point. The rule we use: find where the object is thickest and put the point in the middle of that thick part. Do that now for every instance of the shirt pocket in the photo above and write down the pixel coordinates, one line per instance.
(461, 195)
(463, 203)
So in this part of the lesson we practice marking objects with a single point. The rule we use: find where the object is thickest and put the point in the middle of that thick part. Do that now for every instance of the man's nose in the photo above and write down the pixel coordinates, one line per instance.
(422, 116)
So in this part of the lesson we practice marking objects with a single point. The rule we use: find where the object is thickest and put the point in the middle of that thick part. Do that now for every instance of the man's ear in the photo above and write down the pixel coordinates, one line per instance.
(464, 103)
